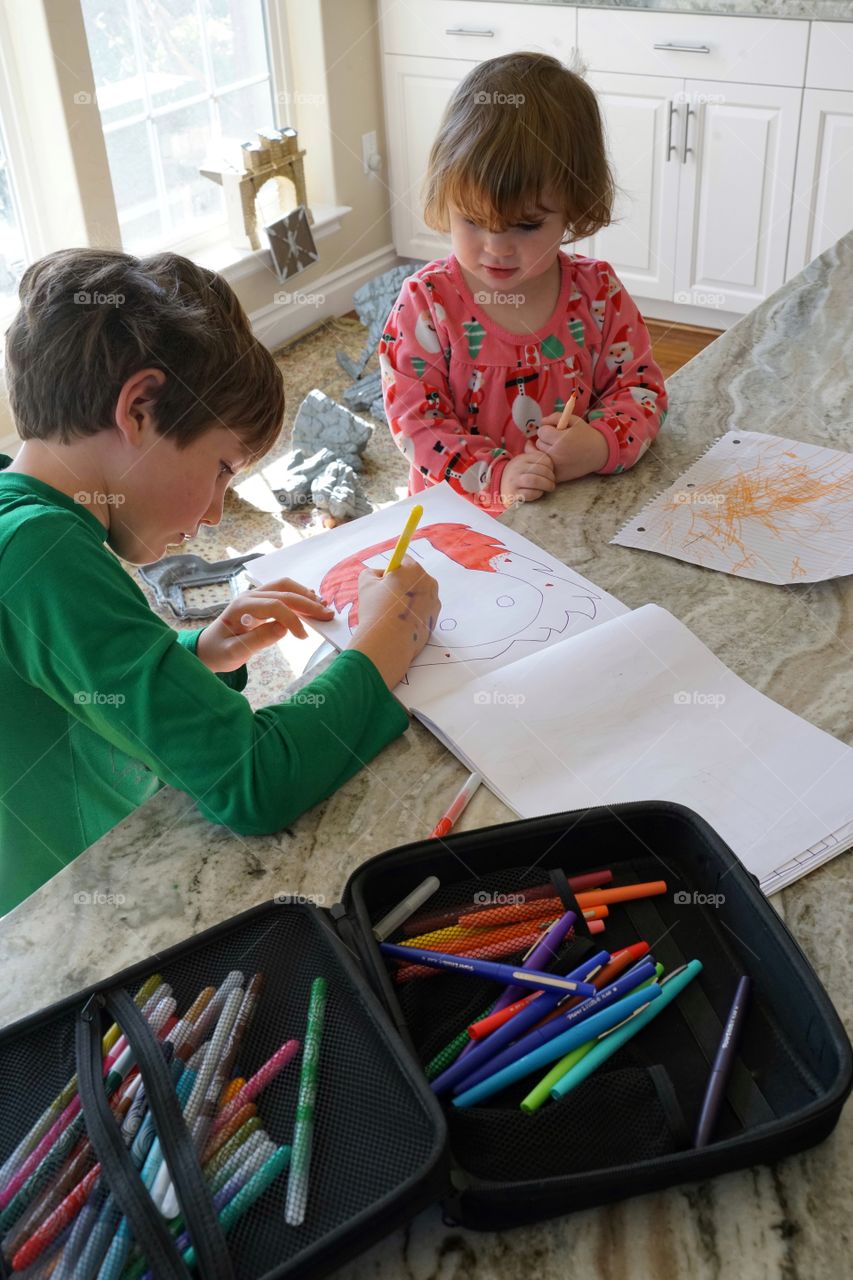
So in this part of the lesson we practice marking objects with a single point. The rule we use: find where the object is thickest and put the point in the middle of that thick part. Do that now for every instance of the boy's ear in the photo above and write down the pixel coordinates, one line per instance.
(135, 404)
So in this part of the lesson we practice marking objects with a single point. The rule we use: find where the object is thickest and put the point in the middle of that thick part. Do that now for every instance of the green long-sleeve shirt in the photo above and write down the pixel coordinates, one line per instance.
(101, 703)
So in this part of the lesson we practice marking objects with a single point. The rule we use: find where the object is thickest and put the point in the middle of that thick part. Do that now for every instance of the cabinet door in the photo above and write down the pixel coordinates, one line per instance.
(416, 92)
(738, 153)
(823, 188)
(643, 124)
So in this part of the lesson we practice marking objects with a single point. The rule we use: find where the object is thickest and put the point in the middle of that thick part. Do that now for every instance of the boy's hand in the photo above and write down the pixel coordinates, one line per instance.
(575, 451)
(396, 614)
(528, 475)
(256, 619)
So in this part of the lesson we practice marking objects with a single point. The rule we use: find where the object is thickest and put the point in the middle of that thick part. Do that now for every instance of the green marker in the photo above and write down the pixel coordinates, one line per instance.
(303, 1134)
(451, 1051)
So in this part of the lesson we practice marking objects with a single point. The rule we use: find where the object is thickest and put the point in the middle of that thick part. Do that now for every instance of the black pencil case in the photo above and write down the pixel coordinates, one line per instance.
(384, 1147)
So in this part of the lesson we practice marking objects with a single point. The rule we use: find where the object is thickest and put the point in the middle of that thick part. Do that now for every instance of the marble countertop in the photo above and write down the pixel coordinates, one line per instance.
(816, 10)
(786, 367)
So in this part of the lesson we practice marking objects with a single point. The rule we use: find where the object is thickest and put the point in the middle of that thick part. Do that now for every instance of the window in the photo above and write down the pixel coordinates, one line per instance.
(13, 253)
(179, 83)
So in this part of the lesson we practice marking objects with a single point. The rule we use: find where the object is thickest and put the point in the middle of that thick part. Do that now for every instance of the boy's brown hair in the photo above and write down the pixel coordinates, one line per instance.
(516, 127)
(91, 318)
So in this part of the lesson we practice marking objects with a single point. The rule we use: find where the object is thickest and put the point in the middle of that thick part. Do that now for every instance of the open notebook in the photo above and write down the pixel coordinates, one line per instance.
(562, 698)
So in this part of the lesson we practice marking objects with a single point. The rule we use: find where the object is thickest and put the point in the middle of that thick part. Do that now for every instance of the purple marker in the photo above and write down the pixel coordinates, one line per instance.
(541, 1035)
(532, 980)
(539, 956)
(723, 1063)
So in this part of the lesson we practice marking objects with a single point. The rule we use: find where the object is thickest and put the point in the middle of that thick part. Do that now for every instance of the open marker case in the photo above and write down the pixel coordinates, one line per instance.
(384, 1146)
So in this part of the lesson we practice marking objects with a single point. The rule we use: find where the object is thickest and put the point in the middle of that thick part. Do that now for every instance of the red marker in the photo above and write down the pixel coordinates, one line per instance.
(457, 807)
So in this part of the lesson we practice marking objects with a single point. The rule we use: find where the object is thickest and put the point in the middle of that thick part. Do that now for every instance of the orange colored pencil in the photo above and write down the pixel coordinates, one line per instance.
(567, 411)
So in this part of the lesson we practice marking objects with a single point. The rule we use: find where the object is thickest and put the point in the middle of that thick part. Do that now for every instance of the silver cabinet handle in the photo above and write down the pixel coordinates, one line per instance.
(670, 145)
(683, 48)
(685, 150)
(468, 31)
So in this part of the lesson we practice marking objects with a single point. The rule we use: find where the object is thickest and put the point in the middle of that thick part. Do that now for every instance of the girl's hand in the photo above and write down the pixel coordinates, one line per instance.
(527, 476)
(256, 619)
(575, 451)
(396, 614)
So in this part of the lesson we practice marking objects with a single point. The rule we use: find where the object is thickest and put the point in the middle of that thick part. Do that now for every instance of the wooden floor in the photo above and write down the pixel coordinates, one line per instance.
(674, 344)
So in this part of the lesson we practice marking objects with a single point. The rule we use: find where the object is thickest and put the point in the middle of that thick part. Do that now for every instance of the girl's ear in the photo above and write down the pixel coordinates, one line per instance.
(134, 410)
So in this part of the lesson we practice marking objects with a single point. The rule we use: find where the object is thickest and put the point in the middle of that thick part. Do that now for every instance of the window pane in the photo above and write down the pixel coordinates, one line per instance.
(194, 202)
(117, 75)
(134, 182)
(237, 39)
(12, 249)
(243, 112)
(171, 40)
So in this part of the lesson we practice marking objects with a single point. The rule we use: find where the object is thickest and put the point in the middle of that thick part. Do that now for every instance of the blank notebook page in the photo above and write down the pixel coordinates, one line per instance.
(638, 708)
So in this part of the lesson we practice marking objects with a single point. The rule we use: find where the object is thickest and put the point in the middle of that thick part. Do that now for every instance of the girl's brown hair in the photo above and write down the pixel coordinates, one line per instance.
(516, 127)
(91, 318)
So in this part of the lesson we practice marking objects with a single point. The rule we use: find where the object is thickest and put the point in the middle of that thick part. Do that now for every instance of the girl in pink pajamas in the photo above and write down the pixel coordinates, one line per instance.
(484, 348)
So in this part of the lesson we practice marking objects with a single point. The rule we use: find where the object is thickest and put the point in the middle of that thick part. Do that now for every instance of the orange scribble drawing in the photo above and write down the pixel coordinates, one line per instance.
(777, 496)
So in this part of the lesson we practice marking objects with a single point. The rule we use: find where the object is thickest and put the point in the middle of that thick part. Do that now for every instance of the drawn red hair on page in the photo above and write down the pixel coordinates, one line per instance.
(491, 596)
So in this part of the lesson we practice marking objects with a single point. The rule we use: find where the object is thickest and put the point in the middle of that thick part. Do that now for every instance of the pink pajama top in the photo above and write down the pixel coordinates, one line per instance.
(463, 395)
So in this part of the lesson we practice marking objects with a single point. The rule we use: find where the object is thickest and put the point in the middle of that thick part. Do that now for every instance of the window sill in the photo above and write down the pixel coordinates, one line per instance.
(236, 264)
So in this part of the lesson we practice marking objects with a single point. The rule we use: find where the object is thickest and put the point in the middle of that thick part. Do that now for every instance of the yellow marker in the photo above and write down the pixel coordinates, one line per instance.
(404, 539)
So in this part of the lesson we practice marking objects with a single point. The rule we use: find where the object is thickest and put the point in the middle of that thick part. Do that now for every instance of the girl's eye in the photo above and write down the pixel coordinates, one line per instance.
(529, 226)
(225, 470)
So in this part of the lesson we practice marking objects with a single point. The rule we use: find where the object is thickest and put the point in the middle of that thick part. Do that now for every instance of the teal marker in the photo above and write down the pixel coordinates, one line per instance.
(558, 1047)
(303, 1134)
(670, 989)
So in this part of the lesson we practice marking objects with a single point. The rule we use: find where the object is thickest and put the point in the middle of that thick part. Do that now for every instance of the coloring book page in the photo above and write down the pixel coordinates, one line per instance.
(502, 597)
(640, 709)
(757, 506)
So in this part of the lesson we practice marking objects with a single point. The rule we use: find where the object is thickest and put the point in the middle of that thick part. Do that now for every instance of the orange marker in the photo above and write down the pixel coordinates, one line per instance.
(624, 893)
(567, 412)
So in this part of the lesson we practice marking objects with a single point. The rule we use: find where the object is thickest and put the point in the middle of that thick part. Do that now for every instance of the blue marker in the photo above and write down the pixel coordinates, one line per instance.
(617, 990)
(671, 987)
(531, 979)
(559, 1046)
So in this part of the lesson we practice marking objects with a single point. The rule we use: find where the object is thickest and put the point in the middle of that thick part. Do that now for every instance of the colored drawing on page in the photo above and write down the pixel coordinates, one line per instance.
(756, 506)
(492, 597)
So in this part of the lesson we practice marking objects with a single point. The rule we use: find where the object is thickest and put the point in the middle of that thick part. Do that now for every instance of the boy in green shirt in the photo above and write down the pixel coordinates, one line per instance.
(139, 391)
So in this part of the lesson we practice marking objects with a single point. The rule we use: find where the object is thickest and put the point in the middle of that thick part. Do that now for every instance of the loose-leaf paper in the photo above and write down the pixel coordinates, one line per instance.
(757, 506)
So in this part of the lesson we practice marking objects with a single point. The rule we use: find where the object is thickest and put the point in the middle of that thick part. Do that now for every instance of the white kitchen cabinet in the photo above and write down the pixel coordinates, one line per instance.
(737, 157)
(416, 92)
(823, 190)
(702, 114)
(643, 126)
